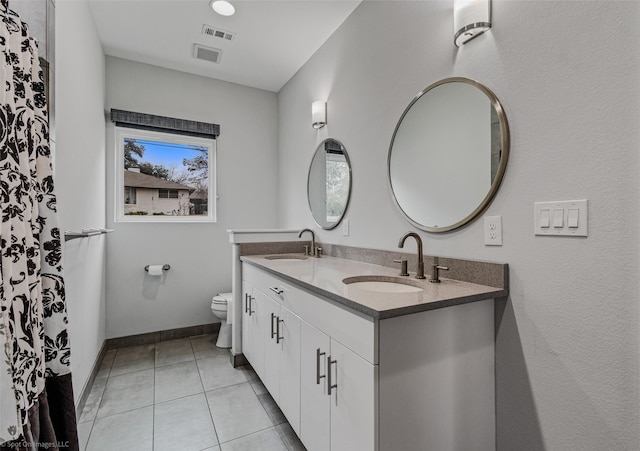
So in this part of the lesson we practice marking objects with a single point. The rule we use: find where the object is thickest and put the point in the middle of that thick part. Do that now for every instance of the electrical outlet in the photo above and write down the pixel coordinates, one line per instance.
(493, 230)
(345, 227)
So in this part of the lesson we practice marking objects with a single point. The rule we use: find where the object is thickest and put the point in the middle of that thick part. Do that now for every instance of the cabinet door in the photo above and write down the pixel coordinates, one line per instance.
(258, 320)
(353, 401)
(271, 376)
(314, 401)
(290, 367)
(247, 339)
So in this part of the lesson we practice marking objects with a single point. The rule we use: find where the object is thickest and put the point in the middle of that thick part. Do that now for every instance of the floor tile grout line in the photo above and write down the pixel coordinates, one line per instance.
(153, 410)
(206, 398)
(213, 423)
(124, 411)
(174, 363)
(156, 365)
(110, 364)
(131, 372)
(250, 433)
(93, 421)
(99, 402)
(180, 398)
(105, 389)
(86, 445)
(226, 386)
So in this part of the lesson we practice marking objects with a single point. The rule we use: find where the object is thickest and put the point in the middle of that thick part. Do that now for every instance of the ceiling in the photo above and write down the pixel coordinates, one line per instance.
(273, 39)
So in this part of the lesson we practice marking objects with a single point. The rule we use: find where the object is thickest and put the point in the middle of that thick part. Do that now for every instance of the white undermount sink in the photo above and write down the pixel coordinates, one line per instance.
(286, 257)
(384, 284)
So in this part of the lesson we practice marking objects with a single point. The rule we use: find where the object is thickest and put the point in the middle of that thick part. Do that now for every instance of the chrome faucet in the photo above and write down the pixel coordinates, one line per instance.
(313, 241)
(420, 273)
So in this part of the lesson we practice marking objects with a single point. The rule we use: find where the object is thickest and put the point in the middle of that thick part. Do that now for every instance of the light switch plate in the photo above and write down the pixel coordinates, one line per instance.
(569, 219)
(493, 230)
(345, 227)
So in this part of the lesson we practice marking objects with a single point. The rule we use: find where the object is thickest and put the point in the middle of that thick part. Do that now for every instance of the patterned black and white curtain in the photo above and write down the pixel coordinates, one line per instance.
(36, 397)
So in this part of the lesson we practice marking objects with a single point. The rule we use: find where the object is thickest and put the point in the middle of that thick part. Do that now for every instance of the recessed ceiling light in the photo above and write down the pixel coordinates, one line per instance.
(223, 7)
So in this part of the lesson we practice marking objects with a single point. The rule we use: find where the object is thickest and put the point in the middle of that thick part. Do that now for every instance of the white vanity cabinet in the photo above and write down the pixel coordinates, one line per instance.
(326, 391)
(348, 381)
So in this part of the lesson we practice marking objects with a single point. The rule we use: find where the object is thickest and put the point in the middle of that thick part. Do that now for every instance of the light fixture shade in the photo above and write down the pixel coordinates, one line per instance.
(223, 7)
(471, 18)
(319, 114)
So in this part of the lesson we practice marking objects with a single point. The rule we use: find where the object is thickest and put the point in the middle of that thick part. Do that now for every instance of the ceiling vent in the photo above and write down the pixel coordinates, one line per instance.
(208, 30)
(210, 54)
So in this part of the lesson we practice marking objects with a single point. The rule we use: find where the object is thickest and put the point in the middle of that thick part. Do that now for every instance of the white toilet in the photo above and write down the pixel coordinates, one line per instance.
(219, 309)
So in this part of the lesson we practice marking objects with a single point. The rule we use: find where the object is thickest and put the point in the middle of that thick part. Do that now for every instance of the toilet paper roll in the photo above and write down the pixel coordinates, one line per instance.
(155, 270)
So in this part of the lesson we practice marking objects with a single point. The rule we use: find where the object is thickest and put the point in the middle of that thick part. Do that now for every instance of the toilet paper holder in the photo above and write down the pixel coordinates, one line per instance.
(165, 267)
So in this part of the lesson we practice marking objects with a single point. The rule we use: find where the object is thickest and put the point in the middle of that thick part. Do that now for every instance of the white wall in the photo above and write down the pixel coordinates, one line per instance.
(80, 178)
(567, 75)
(199, 254)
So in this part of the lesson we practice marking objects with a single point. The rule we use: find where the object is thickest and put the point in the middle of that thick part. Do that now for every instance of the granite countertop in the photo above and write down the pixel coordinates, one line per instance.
(323, 276)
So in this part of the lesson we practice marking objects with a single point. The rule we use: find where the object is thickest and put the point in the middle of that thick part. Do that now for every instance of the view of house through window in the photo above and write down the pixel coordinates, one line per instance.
(164, 175)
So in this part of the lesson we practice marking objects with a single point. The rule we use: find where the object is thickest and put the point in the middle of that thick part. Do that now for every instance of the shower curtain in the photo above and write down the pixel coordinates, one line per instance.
(36, 397)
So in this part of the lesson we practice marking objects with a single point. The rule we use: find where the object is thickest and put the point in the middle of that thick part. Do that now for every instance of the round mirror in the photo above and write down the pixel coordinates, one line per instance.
(329, 183)
(448, 154)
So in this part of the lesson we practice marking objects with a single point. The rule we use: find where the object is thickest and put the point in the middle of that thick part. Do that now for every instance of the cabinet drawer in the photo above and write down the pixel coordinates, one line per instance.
(265, 282)
(353, 329)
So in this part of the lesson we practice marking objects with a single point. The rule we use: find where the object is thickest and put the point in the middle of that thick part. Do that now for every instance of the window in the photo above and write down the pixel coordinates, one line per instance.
(168, 194)
(129, 195)
(164, 177)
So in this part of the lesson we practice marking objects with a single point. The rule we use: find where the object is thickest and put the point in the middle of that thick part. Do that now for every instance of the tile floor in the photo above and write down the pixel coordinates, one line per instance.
(181, 395)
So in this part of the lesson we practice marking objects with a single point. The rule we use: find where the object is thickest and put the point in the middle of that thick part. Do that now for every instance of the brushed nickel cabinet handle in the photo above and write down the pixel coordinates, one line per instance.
(273, 333)
(278, 337)
(330, 385)
(246, 303)
(251, 310)
(318, 376)
(277, 290)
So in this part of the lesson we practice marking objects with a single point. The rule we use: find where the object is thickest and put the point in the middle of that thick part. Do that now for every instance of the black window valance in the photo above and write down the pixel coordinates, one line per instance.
(164, 124)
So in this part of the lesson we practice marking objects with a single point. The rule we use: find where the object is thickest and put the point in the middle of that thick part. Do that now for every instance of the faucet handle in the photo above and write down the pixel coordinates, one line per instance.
(318, 252)
(435, 273)
(306, 250)
(403, 267)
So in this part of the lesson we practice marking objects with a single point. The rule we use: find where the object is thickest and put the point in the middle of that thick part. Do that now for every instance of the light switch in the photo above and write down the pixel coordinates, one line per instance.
(558, 218)
(544, 218)
(561, 218)
(572, 218)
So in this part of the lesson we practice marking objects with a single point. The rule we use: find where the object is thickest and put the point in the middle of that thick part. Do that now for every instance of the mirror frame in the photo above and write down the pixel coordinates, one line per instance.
(346, 206)
(504, 141)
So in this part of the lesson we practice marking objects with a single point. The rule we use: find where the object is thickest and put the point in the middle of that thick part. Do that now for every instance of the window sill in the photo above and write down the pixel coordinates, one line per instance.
(165, 219)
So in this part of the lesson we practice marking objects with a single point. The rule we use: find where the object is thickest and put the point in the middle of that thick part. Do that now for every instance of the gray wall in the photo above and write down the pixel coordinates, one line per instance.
(567, 75)
(80, 179)
(199, 254)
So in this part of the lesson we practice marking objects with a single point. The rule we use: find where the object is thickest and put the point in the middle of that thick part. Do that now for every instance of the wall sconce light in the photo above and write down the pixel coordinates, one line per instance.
(471, 18)
(319, 114)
